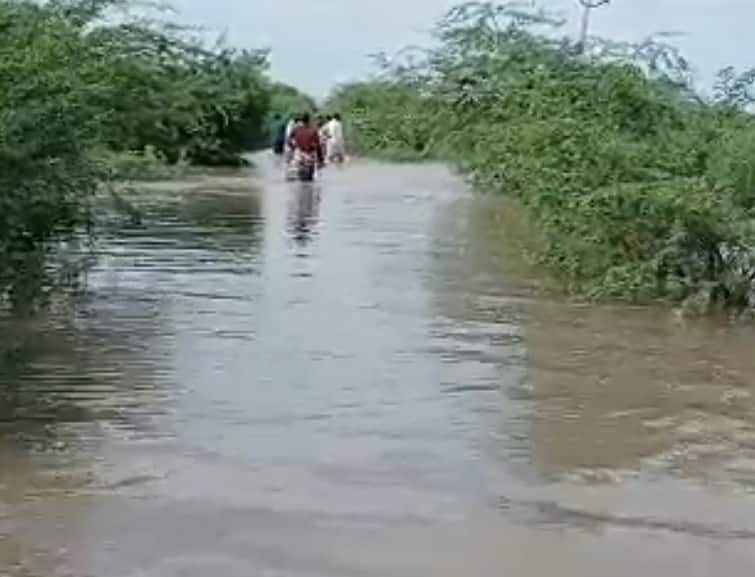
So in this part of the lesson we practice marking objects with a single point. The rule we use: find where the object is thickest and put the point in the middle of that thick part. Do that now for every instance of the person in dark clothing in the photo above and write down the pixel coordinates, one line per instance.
(279, 135)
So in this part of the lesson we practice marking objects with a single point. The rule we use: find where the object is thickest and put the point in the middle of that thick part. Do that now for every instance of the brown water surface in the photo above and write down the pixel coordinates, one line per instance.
(360, 378)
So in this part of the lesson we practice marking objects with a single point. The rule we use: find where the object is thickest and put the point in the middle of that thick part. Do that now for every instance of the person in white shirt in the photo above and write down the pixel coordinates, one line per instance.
(292, 123)
(336, 145)
(323, 123)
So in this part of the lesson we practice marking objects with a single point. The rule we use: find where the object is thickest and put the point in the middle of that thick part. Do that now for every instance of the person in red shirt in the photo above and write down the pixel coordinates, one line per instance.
(305, 139)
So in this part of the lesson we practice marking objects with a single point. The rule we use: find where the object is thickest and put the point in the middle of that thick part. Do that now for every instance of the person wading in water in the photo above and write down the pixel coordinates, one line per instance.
(322, 127)
(279, 135)
(308, 154)
(293, 122)
(336, 143)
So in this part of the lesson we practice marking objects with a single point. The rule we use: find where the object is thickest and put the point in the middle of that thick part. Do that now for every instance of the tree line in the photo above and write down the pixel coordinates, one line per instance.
(92, 90)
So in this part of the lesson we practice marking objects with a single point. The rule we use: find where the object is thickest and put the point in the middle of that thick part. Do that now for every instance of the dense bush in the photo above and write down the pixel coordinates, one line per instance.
(88, 92)
(50, 117)
(286, 100)
(638, 188)
(187, 102)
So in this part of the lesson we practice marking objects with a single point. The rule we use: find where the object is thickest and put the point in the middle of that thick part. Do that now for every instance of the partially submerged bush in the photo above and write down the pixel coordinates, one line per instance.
(640, 189)
(49, 117)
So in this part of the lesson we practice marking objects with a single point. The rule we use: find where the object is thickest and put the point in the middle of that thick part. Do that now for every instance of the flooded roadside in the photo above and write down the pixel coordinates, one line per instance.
(356, 379)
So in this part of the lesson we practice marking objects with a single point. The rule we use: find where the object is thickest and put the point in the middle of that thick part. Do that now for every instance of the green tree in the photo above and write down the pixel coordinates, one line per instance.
(637, 187)
(83, 82)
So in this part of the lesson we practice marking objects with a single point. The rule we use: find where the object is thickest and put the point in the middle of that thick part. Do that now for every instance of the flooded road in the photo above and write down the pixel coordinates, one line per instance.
(362, 379)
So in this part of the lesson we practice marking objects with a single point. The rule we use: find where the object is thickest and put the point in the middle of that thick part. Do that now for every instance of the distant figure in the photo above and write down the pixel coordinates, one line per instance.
(293, 122)
(336, 144)
(322, 127)
(279, 135)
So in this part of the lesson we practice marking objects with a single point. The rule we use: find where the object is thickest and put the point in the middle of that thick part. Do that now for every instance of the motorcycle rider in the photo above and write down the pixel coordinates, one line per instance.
(306, 145)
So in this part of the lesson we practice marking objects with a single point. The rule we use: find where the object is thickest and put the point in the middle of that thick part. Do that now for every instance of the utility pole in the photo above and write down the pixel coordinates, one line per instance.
(587, 7)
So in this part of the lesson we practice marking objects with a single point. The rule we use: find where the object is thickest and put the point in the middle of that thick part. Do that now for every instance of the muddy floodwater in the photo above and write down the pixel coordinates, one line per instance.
(362, 378)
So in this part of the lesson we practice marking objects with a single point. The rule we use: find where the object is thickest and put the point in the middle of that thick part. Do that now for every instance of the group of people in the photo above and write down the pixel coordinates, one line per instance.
(307, 145)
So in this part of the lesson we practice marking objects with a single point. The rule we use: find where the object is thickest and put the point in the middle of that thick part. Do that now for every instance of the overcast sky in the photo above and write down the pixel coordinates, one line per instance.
(318, 43)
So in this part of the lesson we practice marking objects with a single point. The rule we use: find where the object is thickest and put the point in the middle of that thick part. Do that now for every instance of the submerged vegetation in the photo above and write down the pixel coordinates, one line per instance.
(92, 90)
(637, 187)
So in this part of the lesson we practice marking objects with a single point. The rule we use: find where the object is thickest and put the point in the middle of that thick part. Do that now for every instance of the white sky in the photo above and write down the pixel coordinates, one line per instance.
(318, 43)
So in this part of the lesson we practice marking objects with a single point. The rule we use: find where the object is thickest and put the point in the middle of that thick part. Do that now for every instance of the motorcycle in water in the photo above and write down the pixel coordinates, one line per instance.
(302, 167)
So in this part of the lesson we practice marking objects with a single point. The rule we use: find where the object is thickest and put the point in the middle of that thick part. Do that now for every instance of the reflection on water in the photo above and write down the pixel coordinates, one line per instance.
(397, 395)
(74, 368)
(303, 212)
(220, 215)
